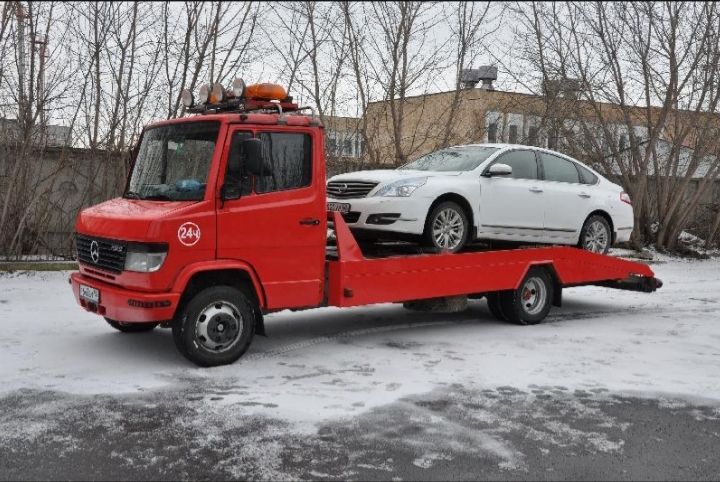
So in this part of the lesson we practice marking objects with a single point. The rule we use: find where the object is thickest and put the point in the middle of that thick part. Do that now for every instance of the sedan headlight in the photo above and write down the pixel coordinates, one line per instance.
(145, 258)
(402, 188)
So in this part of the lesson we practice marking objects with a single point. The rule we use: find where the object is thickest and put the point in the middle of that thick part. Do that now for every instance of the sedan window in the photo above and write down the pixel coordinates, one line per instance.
(559, 169)
(452, 159)
(586, 177)
(523, 163)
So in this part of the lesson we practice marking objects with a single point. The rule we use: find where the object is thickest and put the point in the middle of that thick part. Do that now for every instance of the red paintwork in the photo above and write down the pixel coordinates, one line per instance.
(261, 234)
(404, 278)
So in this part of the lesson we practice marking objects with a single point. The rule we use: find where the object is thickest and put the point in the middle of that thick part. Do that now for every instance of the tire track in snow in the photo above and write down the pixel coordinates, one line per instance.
(347, 334)
(552, 318)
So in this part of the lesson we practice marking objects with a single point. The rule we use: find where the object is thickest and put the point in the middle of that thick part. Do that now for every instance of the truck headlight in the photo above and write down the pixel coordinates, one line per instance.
(402, 188)
(145, 258)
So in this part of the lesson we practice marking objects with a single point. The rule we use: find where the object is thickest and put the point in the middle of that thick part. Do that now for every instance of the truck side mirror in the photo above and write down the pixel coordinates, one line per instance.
(230, 191)
(498, 169)
(254, 160)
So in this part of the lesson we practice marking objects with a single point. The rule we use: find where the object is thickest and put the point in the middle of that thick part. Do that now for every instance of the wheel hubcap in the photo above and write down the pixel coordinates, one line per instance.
(533, 296)
(219, 326)
(448, 229)
(596, 237)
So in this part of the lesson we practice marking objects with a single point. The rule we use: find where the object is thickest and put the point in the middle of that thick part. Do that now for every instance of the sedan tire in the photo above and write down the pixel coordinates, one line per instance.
(596, 235)
(446, 228)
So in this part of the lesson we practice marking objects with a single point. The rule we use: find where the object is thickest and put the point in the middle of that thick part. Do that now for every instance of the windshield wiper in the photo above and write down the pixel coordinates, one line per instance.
(157, 197)
(132, 195)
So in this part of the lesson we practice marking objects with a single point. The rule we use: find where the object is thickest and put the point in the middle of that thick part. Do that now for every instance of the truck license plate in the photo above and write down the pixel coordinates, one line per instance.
(339, 207)
(90, 294)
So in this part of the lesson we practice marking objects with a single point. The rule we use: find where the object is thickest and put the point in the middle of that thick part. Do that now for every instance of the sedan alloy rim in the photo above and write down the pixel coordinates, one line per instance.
(596, 237)
(448, 229)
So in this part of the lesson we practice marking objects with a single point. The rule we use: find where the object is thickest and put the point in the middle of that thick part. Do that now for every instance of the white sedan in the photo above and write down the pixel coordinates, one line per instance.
(486, 191)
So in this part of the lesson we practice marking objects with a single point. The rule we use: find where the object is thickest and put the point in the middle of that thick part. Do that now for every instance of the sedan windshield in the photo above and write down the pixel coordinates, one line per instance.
(452, 159)
(173, 161)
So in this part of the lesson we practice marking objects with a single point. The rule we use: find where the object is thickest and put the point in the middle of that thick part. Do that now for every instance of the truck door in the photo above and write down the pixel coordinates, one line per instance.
(278, 225)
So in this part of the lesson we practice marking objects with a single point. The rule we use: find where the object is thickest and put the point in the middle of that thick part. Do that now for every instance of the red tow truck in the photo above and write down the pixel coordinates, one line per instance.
(224, 219)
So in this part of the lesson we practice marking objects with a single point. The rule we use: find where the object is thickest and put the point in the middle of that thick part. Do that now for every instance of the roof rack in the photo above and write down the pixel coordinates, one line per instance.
(242, 105)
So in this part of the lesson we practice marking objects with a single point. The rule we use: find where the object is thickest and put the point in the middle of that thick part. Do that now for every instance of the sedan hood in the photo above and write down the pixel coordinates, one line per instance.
(383, 176)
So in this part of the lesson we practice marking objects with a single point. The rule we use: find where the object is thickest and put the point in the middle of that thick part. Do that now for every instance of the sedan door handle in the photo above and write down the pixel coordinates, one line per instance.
(310, 222)
(535, 189)
(584, 194)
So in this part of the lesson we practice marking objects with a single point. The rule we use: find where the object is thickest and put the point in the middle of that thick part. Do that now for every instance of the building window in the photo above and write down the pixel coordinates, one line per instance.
(330, 146)
(492, 132)
(533, 136)
(553, 139)
(513, 134)
(347, 147)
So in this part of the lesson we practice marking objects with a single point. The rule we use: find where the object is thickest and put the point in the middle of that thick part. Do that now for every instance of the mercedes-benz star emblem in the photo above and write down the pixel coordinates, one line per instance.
(95, 251)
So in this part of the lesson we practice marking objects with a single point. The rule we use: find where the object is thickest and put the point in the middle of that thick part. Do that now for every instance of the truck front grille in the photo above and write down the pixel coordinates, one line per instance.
(104, 254)
(349, 189)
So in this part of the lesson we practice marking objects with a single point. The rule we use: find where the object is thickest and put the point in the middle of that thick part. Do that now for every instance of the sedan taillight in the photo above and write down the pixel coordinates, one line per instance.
(625, 197)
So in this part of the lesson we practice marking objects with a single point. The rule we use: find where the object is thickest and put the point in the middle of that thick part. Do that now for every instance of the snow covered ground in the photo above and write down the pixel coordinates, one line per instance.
(321, 366)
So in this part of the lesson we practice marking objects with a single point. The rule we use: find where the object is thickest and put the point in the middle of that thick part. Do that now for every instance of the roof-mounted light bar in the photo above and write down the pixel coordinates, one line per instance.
(238, 97)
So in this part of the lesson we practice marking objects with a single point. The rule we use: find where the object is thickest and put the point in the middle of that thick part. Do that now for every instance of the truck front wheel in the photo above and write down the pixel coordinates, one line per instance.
(215, 327)
(131, 327)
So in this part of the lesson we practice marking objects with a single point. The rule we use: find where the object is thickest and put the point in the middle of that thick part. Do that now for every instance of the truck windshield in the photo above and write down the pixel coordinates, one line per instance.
(173, 161)
(452, 159)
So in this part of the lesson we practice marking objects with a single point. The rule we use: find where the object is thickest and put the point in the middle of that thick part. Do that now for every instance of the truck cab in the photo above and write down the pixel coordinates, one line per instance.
(197, 203)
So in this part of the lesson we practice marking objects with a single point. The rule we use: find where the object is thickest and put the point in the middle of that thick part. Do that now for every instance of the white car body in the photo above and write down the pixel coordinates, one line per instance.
(500, 207)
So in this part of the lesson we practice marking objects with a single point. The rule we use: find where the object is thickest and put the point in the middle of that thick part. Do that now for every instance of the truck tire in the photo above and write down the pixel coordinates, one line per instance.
(446, 228)
(131, 327)
(493, 301)
(596, 235)
(531, 302)
(215, 327)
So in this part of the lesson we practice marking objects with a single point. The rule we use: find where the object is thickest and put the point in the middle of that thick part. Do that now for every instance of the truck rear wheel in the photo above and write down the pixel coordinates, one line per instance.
(131, 327)
(531, 302)
(215, 327)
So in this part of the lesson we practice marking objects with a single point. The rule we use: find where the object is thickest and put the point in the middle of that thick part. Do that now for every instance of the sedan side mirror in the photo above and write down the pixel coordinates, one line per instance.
(498, 169)
(254, 159)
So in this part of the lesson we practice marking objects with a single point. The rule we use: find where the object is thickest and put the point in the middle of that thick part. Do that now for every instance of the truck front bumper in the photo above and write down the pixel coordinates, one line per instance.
(125, 305)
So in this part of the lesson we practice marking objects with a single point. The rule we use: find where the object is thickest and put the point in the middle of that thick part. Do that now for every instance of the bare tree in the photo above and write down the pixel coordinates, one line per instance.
(645, 107)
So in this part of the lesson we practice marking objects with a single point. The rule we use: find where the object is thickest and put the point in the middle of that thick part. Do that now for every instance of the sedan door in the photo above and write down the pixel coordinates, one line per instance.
(512, 207)
(567, 200)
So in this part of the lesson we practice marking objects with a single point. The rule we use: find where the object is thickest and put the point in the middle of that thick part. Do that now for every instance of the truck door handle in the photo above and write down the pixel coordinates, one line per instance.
(535, 189)
(584, 194)
(310, 222)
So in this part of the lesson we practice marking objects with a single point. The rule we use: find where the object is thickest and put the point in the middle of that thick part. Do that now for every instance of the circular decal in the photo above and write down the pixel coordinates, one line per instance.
(189, 234)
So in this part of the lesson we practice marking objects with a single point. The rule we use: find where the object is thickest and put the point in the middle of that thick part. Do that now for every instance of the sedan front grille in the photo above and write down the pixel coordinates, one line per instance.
(105, 254)
(349, 189)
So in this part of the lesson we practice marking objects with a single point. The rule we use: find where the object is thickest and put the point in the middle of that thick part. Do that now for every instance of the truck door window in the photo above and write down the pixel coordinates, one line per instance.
(241, 179)
(289, 155)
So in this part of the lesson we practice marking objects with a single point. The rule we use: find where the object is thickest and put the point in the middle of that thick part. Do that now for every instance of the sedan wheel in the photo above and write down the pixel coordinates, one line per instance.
(596, 235)
(446, 228)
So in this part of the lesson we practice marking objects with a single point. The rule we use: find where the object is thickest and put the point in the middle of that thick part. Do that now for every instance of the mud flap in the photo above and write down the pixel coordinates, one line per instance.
(259, 323)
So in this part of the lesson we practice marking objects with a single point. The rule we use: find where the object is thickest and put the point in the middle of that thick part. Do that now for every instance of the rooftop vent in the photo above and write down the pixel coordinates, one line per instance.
(469, 78)
(562, 87)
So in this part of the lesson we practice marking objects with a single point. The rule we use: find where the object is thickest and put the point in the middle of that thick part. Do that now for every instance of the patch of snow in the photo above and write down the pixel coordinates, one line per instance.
(329, 363)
